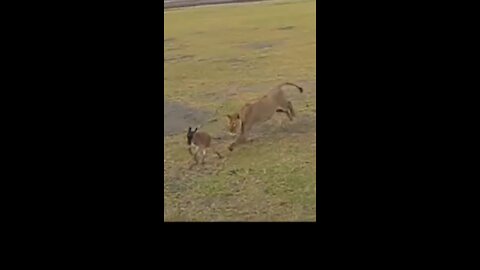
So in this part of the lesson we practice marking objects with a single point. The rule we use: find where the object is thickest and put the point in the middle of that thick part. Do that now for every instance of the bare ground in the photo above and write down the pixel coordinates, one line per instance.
(190, 3)
(177, 118)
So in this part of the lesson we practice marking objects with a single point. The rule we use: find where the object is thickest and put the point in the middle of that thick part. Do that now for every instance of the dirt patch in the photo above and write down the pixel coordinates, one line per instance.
(259, 46)
(177, 118)
(286, 28)
(235, 60)
(190, 3)
(177, 59)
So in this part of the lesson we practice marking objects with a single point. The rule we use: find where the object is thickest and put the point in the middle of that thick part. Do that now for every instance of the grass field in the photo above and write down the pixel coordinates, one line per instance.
(216, 59)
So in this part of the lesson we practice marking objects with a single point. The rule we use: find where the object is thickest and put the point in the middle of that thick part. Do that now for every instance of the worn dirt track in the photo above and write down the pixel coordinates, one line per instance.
(190, 3)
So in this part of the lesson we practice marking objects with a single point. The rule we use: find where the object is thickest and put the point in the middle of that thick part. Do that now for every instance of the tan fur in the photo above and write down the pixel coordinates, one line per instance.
(235, 120)
(200, 143)
(261, 111)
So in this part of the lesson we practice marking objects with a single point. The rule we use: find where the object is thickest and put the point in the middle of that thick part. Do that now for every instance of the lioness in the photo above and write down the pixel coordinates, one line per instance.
(261, 111)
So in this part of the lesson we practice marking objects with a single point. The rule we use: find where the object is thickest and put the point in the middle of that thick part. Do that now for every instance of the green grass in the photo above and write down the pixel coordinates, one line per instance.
(218, 58)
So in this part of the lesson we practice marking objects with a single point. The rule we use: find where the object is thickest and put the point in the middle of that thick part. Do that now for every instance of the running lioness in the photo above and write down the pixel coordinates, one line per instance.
(261, 111)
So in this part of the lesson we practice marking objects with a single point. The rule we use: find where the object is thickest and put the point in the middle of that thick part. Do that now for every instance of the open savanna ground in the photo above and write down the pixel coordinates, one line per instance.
(217, 58)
